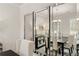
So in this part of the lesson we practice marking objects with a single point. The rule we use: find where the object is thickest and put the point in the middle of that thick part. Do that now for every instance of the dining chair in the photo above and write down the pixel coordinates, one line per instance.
(69, 44)
(56, 47)
(77, 49)
(1, 47)
(77, 46)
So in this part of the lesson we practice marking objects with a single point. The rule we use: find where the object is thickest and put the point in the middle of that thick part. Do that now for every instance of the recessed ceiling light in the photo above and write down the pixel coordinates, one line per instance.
(54, 20)
(59, 20)
(77, 19)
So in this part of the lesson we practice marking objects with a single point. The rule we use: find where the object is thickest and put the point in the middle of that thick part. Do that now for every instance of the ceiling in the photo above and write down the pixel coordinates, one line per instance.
(28, 4)
(57, 10)
(16, 4)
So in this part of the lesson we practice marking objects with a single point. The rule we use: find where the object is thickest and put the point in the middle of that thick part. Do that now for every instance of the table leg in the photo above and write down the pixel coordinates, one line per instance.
(63, 49)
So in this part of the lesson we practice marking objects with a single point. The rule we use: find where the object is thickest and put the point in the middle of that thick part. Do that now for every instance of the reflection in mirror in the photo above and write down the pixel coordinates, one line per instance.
(63, 27)
(62, 36)
(77, 30)
(28, 31)
(42, 31)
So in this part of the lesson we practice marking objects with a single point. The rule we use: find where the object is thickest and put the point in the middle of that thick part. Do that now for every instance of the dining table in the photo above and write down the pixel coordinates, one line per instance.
(61, 42)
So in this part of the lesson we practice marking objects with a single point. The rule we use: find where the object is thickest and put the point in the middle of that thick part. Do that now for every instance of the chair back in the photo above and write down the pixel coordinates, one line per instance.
(55, 45)
(70, 40)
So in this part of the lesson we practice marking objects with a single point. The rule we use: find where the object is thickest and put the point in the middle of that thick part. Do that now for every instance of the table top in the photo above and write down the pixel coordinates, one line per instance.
(8, 53)
(62, 41)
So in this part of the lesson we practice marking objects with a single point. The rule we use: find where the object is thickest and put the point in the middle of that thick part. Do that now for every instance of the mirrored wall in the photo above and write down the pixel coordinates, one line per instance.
(63, 37)
(42, 31)
(55, 30)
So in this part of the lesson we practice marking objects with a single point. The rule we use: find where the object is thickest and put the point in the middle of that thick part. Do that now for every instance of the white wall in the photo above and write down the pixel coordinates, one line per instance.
(9, 26)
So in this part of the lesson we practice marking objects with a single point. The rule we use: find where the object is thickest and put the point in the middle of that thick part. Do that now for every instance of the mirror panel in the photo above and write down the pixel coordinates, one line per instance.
(76, 25)
(42, 31)
(61, 26)
(28, 27)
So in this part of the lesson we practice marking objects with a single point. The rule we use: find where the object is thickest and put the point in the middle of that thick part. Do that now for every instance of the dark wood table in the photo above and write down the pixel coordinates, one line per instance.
(8, 53)
(62, 47)
(62, 42)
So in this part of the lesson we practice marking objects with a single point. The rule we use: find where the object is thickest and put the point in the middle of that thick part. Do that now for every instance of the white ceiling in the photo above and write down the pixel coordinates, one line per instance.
(28, 4)
(57, 10)
(65, 9)
(17, 4)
